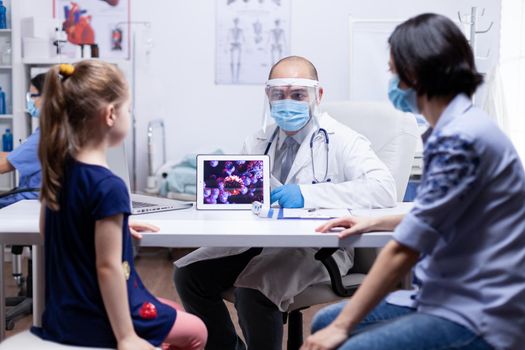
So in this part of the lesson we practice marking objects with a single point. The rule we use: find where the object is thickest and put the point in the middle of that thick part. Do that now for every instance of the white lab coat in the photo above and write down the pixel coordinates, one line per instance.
(282, 273)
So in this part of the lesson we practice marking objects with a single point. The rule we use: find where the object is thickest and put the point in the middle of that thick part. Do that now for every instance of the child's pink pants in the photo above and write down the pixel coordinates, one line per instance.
(188, 331)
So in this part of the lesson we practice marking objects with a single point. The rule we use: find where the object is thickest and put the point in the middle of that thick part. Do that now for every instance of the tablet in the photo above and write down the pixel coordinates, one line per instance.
(232, 181)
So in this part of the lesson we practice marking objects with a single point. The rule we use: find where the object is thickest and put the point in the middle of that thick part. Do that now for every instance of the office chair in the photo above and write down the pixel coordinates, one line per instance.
(22, 304)
(339, 287)
(393, 136)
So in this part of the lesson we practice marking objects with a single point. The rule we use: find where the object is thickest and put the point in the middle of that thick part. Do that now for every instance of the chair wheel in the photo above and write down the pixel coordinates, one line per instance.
(10, 325)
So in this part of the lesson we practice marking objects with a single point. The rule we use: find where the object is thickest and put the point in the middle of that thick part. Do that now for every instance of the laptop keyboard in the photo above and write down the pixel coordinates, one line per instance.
(142, 204)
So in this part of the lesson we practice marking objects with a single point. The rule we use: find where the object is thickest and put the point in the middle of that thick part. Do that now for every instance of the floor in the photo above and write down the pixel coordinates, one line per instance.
(156, 270)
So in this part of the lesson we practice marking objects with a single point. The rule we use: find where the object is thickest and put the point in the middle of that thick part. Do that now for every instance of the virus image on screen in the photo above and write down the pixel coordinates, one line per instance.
(233, 182)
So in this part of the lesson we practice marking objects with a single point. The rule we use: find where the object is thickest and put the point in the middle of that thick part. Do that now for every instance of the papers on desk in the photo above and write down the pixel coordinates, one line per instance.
(314, 213)
(303, 213)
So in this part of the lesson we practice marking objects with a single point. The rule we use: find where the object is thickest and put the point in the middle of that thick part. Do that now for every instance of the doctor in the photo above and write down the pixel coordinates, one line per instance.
(306, 173)
(25, 157)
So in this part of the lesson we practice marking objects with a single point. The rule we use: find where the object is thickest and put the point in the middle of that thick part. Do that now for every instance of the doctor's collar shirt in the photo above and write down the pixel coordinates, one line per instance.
(299, 137)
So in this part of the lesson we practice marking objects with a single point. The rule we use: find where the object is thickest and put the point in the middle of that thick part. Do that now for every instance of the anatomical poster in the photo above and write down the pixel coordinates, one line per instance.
(251, 35)
(101, 22)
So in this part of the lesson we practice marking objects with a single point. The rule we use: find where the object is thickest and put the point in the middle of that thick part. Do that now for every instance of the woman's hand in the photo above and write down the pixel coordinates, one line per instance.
(326, 339)
(136, 227)
(134, 342)
(352, 225)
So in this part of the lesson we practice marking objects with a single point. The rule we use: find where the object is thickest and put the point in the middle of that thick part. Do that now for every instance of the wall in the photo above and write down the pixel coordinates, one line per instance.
(176, 80)
(513, 70)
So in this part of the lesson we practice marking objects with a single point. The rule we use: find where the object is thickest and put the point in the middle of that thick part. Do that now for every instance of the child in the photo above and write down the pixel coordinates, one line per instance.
(94, 296)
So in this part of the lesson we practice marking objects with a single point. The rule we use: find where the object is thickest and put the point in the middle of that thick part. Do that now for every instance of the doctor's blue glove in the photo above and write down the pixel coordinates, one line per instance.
(288, 196)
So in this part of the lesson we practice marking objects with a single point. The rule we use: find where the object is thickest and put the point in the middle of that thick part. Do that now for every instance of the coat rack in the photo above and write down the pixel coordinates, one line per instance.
(472, 21)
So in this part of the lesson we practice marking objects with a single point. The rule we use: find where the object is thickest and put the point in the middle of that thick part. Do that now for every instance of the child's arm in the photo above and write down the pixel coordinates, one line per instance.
(135, 228)
(108, 248)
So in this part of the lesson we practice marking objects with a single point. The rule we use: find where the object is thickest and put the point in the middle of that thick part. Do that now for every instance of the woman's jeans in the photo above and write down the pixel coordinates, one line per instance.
(396, 327)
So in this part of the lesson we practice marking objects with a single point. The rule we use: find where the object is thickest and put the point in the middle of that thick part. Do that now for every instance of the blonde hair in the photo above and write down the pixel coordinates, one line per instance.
(74, 95)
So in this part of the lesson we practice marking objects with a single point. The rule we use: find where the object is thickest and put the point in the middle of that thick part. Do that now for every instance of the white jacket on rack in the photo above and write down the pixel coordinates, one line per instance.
(494, 103)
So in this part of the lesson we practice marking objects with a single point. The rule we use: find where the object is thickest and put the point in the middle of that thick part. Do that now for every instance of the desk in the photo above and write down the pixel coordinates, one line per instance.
(197, 228)
(186, 228)
(19, 226)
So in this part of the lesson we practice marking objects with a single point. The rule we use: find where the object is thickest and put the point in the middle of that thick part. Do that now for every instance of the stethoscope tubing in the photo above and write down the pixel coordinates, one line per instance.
(327, 146)
(312, 139)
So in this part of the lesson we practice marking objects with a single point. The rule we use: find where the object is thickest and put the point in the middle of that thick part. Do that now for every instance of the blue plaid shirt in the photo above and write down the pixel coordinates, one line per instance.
(468, 222)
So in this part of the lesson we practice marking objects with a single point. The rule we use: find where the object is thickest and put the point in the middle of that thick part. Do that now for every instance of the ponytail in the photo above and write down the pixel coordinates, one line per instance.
(73, 98)
(56, 138)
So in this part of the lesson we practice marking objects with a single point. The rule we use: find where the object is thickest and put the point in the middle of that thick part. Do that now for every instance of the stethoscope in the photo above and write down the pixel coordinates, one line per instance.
(313, 138)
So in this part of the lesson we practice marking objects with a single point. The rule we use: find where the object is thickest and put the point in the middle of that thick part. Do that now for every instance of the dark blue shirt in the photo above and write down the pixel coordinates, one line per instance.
(74, 311)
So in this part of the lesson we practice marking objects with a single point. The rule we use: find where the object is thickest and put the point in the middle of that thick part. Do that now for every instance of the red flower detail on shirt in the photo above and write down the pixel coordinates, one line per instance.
(148, 311)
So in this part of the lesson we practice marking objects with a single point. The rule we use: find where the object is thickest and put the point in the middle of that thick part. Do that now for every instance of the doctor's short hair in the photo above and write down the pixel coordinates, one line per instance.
(299, 59)
(432, 56)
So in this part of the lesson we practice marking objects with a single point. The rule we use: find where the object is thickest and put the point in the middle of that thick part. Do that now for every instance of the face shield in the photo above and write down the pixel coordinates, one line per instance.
(291, 103)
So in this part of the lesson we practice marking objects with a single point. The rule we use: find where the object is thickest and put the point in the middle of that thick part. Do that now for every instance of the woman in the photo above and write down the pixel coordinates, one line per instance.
(466, 232)
(25, 158)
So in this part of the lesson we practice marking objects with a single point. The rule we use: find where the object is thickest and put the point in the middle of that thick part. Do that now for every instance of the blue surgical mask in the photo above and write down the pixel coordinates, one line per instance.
(290, 115)
(404, 100)
(31, 108)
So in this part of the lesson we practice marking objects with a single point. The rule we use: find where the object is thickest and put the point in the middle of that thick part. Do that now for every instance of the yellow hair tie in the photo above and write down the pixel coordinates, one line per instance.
(66, 70)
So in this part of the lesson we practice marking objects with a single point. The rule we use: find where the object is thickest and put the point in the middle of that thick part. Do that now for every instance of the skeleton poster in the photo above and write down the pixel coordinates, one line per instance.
(104, 23)
(251, 35)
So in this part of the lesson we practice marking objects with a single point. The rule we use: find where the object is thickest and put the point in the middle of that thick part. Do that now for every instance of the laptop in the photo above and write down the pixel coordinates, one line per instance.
(140, 204)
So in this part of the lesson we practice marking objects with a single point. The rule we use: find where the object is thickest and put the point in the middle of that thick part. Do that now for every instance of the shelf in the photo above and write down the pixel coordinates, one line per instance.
(45, 60)
(55, 60)
(7, 75)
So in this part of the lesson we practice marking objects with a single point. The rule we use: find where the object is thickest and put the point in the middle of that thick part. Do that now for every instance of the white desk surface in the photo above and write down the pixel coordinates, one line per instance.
(185, 228)
(194, 228)
(19, 223)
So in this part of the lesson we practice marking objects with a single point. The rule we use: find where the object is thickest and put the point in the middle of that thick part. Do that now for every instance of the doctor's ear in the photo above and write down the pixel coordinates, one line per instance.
(110, 115)
(320, 97)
